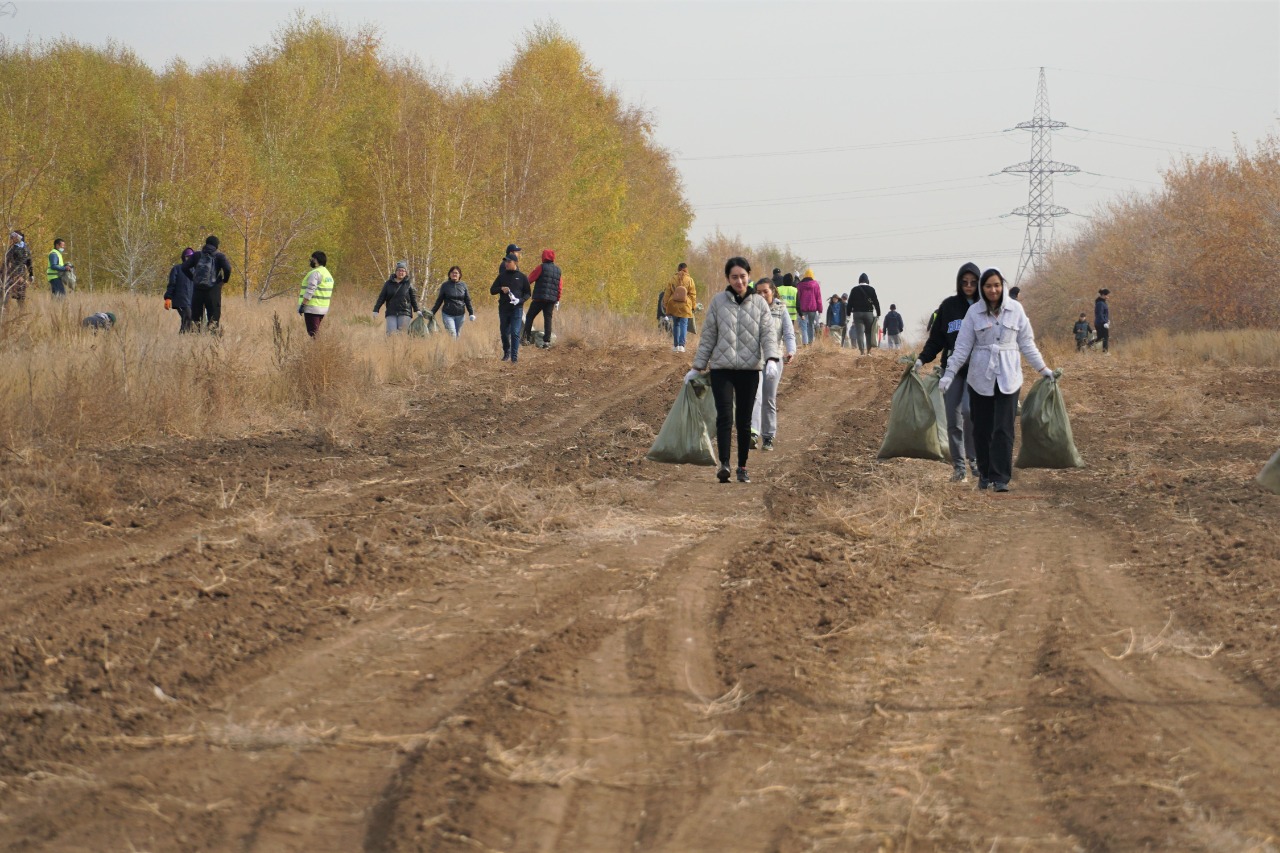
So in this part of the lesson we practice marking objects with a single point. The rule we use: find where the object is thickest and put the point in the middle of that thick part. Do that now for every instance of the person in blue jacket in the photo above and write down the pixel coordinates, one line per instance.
(835, 319)
(177, 296)
(1102, 319)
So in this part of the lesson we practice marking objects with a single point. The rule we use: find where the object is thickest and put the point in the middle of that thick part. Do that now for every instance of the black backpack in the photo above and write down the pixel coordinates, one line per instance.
(205, 274)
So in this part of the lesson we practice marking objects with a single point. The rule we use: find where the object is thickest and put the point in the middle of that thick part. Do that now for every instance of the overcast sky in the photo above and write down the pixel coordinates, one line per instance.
(869, 136)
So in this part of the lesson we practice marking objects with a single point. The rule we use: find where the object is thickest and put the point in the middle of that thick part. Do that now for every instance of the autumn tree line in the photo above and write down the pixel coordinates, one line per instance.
(1202, 253)
(320, 140)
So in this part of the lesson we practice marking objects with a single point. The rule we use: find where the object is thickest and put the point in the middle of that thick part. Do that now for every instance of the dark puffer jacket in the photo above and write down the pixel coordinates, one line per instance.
(455, 298)
(399, 297)
(179, 289)
(946, 322)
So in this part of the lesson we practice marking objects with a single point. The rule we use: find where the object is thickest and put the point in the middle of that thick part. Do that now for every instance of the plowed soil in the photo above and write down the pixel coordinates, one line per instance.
(495, 626)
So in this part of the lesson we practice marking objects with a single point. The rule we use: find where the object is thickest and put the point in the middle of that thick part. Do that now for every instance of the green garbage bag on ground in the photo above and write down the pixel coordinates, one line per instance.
(917, 422)
(1046, 429)
(685, 437)
(423, 325)
(1269, 476)
(539, 336)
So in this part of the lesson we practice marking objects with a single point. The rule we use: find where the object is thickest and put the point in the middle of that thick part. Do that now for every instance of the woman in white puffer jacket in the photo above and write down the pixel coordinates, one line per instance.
(994, 335)
(738, 340)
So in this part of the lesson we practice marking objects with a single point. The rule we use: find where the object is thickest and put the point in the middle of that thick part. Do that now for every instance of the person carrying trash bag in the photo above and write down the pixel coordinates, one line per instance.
(1046, 430)
(685, 437)
(944, 328)
(996, 334)
(917, 422)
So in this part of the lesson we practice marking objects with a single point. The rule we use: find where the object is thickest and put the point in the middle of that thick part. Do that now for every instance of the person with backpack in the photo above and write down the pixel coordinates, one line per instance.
(513, 290)
(764, 414)
(893, 327)
(17, 268)
(996, 334)
(1102, 319)
(808, 306)
(177, 296)
(547, 283)
(679, 301)
(864, 308)
(944, 327)
(739, 339)
(209, 270)
(456, 300)
(1081, 332)
(397, 294)
(58, 268)
(316, 293)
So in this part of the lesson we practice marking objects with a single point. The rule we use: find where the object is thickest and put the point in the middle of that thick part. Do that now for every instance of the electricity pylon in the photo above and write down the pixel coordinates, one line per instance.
(1039, 209)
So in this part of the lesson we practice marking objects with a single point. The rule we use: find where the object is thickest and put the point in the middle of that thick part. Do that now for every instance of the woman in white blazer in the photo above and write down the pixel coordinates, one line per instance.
(994, 335)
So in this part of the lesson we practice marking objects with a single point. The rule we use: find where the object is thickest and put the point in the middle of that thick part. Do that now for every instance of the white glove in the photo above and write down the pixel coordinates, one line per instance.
(919, 364)
(692, 375)
(473, 318)
(375, 316)
(944, 383)
(1106, 325)
(1047, 373)
(514, 300)
(771, 370)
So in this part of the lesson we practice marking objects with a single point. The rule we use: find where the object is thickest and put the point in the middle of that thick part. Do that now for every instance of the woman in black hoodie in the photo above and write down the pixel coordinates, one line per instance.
(942, 339)
(397, 294)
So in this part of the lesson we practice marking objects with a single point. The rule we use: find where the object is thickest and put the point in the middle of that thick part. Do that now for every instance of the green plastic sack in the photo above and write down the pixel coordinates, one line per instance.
(422, 326)
(685, 437)
(538, 337)
(917, 422)
(1269, 476)
(1046, 429)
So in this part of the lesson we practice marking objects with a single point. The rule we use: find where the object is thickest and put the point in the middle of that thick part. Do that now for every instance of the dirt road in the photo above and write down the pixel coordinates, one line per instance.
(496, 627)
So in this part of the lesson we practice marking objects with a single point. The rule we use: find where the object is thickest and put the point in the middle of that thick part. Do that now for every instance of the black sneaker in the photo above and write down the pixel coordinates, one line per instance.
(723, 474)
(768, 443)
(982, 484)
(506, 356)
(999, 487)
(743, 477)
(958, 475)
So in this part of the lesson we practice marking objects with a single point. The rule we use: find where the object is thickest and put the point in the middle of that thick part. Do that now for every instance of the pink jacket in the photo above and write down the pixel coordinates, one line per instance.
(809, 296)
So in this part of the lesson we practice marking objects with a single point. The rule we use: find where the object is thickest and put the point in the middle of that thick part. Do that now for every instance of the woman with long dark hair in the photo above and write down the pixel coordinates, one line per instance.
(456, 300)
(995, 334)
(738, 340)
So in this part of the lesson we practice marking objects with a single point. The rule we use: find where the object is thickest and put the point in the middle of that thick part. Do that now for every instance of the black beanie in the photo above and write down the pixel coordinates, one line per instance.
(212, 241)
(862, 279)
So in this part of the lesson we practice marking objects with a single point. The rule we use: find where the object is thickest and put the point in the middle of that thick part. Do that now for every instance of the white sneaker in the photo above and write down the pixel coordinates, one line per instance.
(679, 349)
(675, 349)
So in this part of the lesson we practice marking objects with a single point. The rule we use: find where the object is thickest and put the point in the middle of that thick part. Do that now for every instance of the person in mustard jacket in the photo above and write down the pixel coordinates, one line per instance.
(679, 300)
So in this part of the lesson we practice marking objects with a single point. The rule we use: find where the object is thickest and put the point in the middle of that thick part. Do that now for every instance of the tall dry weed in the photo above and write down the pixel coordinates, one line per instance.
(1242, 347)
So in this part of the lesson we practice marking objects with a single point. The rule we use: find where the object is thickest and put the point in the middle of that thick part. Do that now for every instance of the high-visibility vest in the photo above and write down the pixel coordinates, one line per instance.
(51, 273)
(788, 297)
(323, 293)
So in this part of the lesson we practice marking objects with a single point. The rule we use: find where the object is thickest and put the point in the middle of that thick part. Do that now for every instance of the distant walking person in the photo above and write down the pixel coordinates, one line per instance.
(738, 339)
(58, 268)
(397, 294)
(835, 319)
(808, 306)
(865, 308)
(678, 300)
(513, 290)
(993, 333)
(893, 327)
(1102, 319)
(788, 294)
(316, 292)
(209, 270)
(17, 268)
(943, 330)
(764, 414)
(547, 283)
(177, 296)
(456, 302)
(1081, 332)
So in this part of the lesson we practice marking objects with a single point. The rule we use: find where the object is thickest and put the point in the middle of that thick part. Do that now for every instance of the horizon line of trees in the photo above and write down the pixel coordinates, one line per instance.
(320, 141)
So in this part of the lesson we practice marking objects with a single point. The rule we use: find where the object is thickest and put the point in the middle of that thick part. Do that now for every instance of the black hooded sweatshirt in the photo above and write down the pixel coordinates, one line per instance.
(517, 283)
(946, 322)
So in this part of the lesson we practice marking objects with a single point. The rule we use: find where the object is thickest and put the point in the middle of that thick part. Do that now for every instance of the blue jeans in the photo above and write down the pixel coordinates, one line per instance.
(808, 325)
(397, 323)
(679, 330)
(453, 324)
(510, 325)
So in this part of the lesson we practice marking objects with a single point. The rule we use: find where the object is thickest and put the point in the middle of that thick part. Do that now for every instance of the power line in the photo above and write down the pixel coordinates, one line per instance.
(929, 140)
(904, 259)
(853, 195)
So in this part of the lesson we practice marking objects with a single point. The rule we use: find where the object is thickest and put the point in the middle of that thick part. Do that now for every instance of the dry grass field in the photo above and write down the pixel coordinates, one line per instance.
(266, 593)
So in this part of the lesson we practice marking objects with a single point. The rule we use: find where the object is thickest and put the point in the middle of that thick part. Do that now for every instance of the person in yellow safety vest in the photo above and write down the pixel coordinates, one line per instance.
(57, 267)
(317, 290)
(787, 293)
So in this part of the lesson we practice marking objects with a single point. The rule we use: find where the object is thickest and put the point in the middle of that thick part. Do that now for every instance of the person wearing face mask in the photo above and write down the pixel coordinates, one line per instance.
(739, 338)
(316, 293)
(996, 335)
(942, 340)
(456, 300)
(397, 294)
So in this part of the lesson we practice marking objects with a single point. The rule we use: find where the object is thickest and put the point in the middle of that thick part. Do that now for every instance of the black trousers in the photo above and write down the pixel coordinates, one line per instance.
(1104, 338)
(735, 395)
(993, 434)
(547, 309)
(207, 301)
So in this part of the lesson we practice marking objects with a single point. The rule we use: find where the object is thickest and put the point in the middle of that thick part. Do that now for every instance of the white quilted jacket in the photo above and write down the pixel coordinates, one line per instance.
(736, 336)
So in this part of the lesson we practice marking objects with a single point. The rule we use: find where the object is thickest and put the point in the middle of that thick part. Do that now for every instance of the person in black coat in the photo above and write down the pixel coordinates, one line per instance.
(456, 300)
(943, 331)
(864, 310)
(209, 270)
(397, 294)
(513, 290)
(177, 295)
